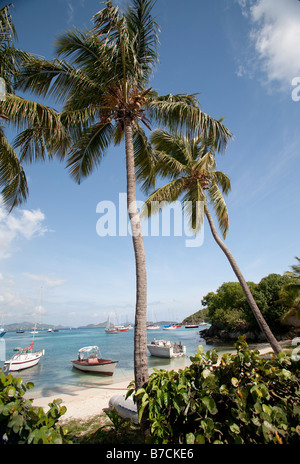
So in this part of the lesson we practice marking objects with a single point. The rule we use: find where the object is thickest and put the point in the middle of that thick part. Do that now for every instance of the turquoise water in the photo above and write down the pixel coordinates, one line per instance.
(55, 373)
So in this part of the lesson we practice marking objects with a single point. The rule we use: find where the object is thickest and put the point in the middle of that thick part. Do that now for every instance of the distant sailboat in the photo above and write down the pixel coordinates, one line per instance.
(153, 326)
(111, 328)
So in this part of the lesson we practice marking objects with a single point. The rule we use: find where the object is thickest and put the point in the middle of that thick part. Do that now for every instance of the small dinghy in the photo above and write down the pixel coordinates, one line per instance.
(125, 408)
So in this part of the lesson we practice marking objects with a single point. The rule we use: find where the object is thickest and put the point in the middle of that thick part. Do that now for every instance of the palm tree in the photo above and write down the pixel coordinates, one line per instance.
(35, 118)
(103, 83)
(190, 165)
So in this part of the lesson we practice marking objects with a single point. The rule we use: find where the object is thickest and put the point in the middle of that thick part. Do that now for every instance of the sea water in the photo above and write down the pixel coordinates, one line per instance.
(55, 373)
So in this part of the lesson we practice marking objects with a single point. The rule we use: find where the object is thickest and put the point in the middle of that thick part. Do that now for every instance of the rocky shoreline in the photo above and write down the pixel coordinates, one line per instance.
(215, 336)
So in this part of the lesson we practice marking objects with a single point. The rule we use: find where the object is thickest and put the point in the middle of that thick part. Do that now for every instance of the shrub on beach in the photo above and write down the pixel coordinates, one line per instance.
(241, 399)
(22, 423)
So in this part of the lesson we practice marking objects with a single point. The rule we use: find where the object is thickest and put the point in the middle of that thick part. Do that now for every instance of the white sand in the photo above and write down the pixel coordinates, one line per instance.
(86, 402)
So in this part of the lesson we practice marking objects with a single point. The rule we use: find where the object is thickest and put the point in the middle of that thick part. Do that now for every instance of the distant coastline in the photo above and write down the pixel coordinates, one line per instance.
(40, 326)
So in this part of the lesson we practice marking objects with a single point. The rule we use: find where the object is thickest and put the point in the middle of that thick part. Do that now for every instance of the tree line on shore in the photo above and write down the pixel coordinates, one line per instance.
(278, 297)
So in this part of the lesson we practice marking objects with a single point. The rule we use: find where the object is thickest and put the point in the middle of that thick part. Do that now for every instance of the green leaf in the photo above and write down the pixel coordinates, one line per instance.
(190, 438)
(210, 404)
(235, 382)
(234, 428)
(200, 440)
(10, 391)
(206, 373)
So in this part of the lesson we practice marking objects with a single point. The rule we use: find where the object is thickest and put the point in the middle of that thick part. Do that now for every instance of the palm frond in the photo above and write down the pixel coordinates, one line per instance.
(106, 23)
(163, 196)
(181, 113)
(143, 32)
(54, 78)
(222, 181)
(7, 28)
(173, 145)
(193, 206)
(220, 207)
(12, 176)
(81, 47)
(144, 159)
(22, 111)
(88, 151)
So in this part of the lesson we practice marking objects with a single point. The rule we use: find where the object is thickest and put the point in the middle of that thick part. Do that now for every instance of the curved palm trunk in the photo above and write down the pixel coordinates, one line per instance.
(255, 309)
(140, 334)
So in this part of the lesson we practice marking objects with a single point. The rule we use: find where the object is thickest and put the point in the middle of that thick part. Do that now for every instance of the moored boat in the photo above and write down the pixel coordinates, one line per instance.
(170, 327)
(2, 332)
(153, 327)
(90, 360)
(111, 330)
(122, 328)
(24, 359)
(166, 349)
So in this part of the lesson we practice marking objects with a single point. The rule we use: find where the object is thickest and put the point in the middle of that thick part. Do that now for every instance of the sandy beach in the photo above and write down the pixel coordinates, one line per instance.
(87, 402)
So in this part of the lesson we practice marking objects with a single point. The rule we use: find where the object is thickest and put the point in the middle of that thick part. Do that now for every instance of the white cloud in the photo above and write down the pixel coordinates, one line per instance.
(19, 224)
(47, 281)
(276, 36)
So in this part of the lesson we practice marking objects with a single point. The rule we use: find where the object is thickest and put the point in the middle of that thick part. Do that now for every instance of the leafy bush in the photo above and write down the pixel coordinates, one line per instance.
(243, 399)
(22, 423)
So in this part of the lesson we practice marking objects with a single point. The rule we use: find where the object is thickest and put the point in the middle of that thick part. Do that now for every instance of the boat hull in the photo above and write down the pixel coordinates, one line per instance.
(102, 366)
(2, 333)
(22, 361)
(166, 350)
(111, 331)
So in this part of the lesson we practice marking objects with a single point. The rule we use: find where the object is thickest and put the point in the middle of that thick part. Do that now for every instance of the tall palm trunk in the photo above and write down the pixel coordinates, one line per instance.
(255, 309)
(140, 334)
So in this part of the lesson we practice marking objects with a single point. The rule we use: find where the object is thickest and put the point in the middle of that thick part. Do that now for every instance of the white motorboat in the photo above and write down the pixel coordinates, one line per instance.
(153, 327)
(23, 360)
(90, 360)
(2, 332)
(166, 349)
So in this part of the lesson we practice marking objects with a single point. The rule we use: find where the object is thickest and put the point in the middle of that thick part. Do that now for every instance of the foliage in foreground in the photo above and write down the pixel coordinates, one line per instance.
(110, 429)
(22, 423)
(243, 399)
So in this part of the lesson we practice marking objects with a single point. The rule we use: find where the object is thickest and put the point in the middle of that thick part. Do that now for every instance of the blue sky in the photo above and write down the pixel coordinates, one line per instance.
(241, 57)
